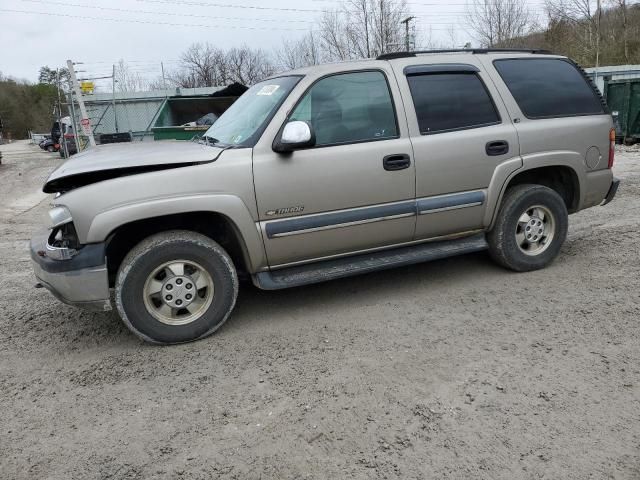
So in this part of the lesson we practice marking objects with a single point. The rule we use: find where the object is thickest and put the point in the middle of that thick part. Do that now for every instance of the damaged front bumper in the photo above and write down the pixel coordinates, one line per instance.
(80, 279)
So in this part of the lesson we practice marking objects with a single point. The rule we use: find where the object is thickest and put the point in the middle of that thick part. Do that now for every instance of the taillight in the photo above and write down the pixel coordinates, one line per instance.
(612, 146)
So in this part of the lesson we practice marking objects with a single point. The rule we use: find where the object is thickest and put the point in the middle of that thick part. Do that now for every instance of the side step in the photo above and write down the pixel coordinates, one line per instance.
(367, 262)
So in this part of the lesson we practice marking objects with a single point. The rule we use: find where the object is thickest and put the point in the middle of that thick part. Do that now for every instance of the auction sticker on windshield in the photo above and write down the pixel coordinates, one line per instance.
(268, 90)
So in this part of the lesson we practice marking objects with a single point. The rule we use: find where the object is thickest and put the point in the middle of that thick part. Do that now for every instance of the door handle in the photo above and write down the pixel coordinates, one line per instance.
(497, 147)
(399, 161)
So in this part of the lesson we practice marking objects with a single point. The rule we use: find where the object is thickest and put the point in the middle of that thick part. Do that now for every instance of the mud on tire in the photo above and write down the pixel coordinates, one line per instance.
(140, 311)
(515, 242)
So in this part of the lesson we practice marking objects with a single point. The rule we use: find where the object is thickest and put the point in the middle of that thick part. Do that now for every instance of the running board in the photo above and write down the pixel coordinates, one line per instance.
(367, 262)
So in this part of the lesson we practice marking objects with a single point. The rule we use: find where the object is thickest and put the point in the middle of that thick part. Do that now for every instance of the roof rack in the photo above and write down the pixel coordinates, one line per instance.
(391, 56)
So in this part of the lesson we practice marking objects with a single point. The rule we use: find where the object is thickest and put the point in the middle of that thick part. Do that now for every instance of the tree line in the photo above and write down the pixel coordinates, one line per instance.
(364, 29)
(367, 28)
(609, 35)
(25, 106)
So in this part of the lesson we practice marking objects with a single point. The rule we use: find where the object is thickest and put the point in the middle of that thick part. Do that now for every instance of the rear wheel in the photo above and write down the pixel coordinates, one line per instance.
(176, 287)
(531, 227)
(50, 149)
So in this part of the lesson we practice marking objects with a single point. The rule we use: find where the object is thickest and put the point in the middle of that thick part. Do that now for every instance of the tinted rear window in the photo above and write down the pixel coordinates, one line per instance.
(446, 101)
(548, 87)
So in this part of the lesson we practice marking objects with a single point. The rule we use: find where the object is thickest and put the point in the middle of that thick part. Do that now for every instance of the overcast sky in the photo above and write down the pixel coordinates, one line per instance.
(145, 32)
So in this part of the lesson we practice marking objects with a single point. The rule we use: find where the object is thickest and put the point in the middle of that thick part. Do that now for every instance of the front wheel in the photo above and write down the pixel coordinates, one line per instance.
(530, 229)
(176, 287)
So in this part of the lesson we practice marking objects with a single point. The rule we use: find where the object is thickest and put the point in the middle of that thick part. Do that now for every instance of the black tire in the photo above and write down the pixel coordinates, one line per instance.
(157, 250)
(503, 246)
(50, 149)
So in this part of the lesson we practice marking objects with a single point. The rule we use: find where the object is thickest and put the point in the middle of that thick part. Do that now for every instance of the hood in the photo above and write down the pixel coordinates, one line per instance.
(116, 160)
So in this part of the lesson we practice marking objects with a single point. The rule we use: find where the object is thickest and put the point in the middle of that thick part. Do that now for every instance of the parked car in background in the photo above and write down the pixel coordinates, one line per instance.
(50, 145)
(331, 171)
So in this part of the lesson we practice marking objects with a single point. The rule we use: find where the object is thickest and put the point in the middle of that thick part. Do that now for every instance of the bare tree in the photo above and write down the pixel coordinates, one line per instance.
(203, 65)
(128, 80)
(248, 66)
(199, 66)
(584, 22)
(359, 27)
(363, 29)
(181, 78)
(498, 22)
(333, 32)
(299, 53)
(621, 5)
(571, 10)
(158, 83)
(388, 32)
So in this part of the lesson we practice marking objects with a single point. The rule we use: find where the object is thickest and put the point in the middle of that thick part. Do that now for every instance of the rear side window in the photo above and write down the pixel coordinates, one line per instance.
(546, 88)
(451, 101)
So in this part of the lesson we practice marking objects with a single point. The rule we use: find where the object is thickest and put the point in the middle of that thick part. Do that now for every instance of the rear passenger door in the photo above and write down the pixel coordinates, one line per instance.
(461, 133)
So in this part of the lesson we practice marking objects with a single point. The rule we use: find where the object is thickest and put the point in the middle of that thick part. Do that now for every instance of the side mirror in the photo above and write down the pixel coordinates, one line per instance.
(295, 135)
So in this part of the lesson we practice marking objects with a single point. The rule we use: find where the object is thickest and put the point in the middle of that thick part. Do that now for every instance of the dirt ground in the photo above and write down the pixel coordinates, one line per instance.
(453, 369)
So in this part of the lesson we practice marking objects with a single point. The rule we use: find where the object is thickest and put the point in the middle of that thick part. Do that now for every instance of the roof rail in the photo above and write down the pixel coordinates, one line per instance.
(390, 56)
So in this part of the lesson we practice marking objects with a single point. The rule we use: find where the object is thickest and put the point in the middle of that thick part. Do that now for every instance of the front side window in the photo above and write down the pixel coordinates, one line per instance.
(451, 101)
(348, 108)
(548, 87)
(243, 123)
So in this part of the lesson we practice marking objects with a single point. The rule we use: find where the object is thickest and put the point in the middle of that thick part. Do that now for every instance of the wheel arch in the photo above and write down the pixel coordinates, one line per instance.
(561, 178)
(223, 218)
(214, 225)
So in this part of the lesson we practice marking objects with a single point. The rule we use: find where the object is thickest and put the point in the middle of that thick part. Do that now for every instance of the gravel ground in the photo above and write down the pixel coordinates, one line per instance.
(453, 369)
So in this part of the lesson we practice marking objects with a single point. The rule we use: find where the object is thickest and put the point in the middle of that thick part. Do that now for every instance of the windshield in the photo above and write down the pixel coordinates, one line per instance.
(243, 123)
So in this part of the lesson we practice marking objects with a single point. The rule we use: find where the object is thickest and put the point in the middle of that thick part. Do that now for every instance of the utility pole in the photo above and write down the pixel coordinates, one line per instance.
(164, 81)
(84, 121)
(113, 94)
(383, 39)
(598, 19)
(62, 132)
(407, 42)
(73, 116)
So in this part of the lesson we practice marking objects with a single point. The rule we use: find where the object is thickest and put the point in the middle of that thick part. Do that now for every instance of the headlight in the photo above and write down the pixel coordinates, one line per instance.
(59, 216)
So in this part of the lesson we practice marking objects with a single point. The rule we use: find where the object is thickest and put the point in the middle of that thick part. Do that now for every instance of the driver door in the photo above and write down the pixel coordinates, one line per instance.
(355, 189)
